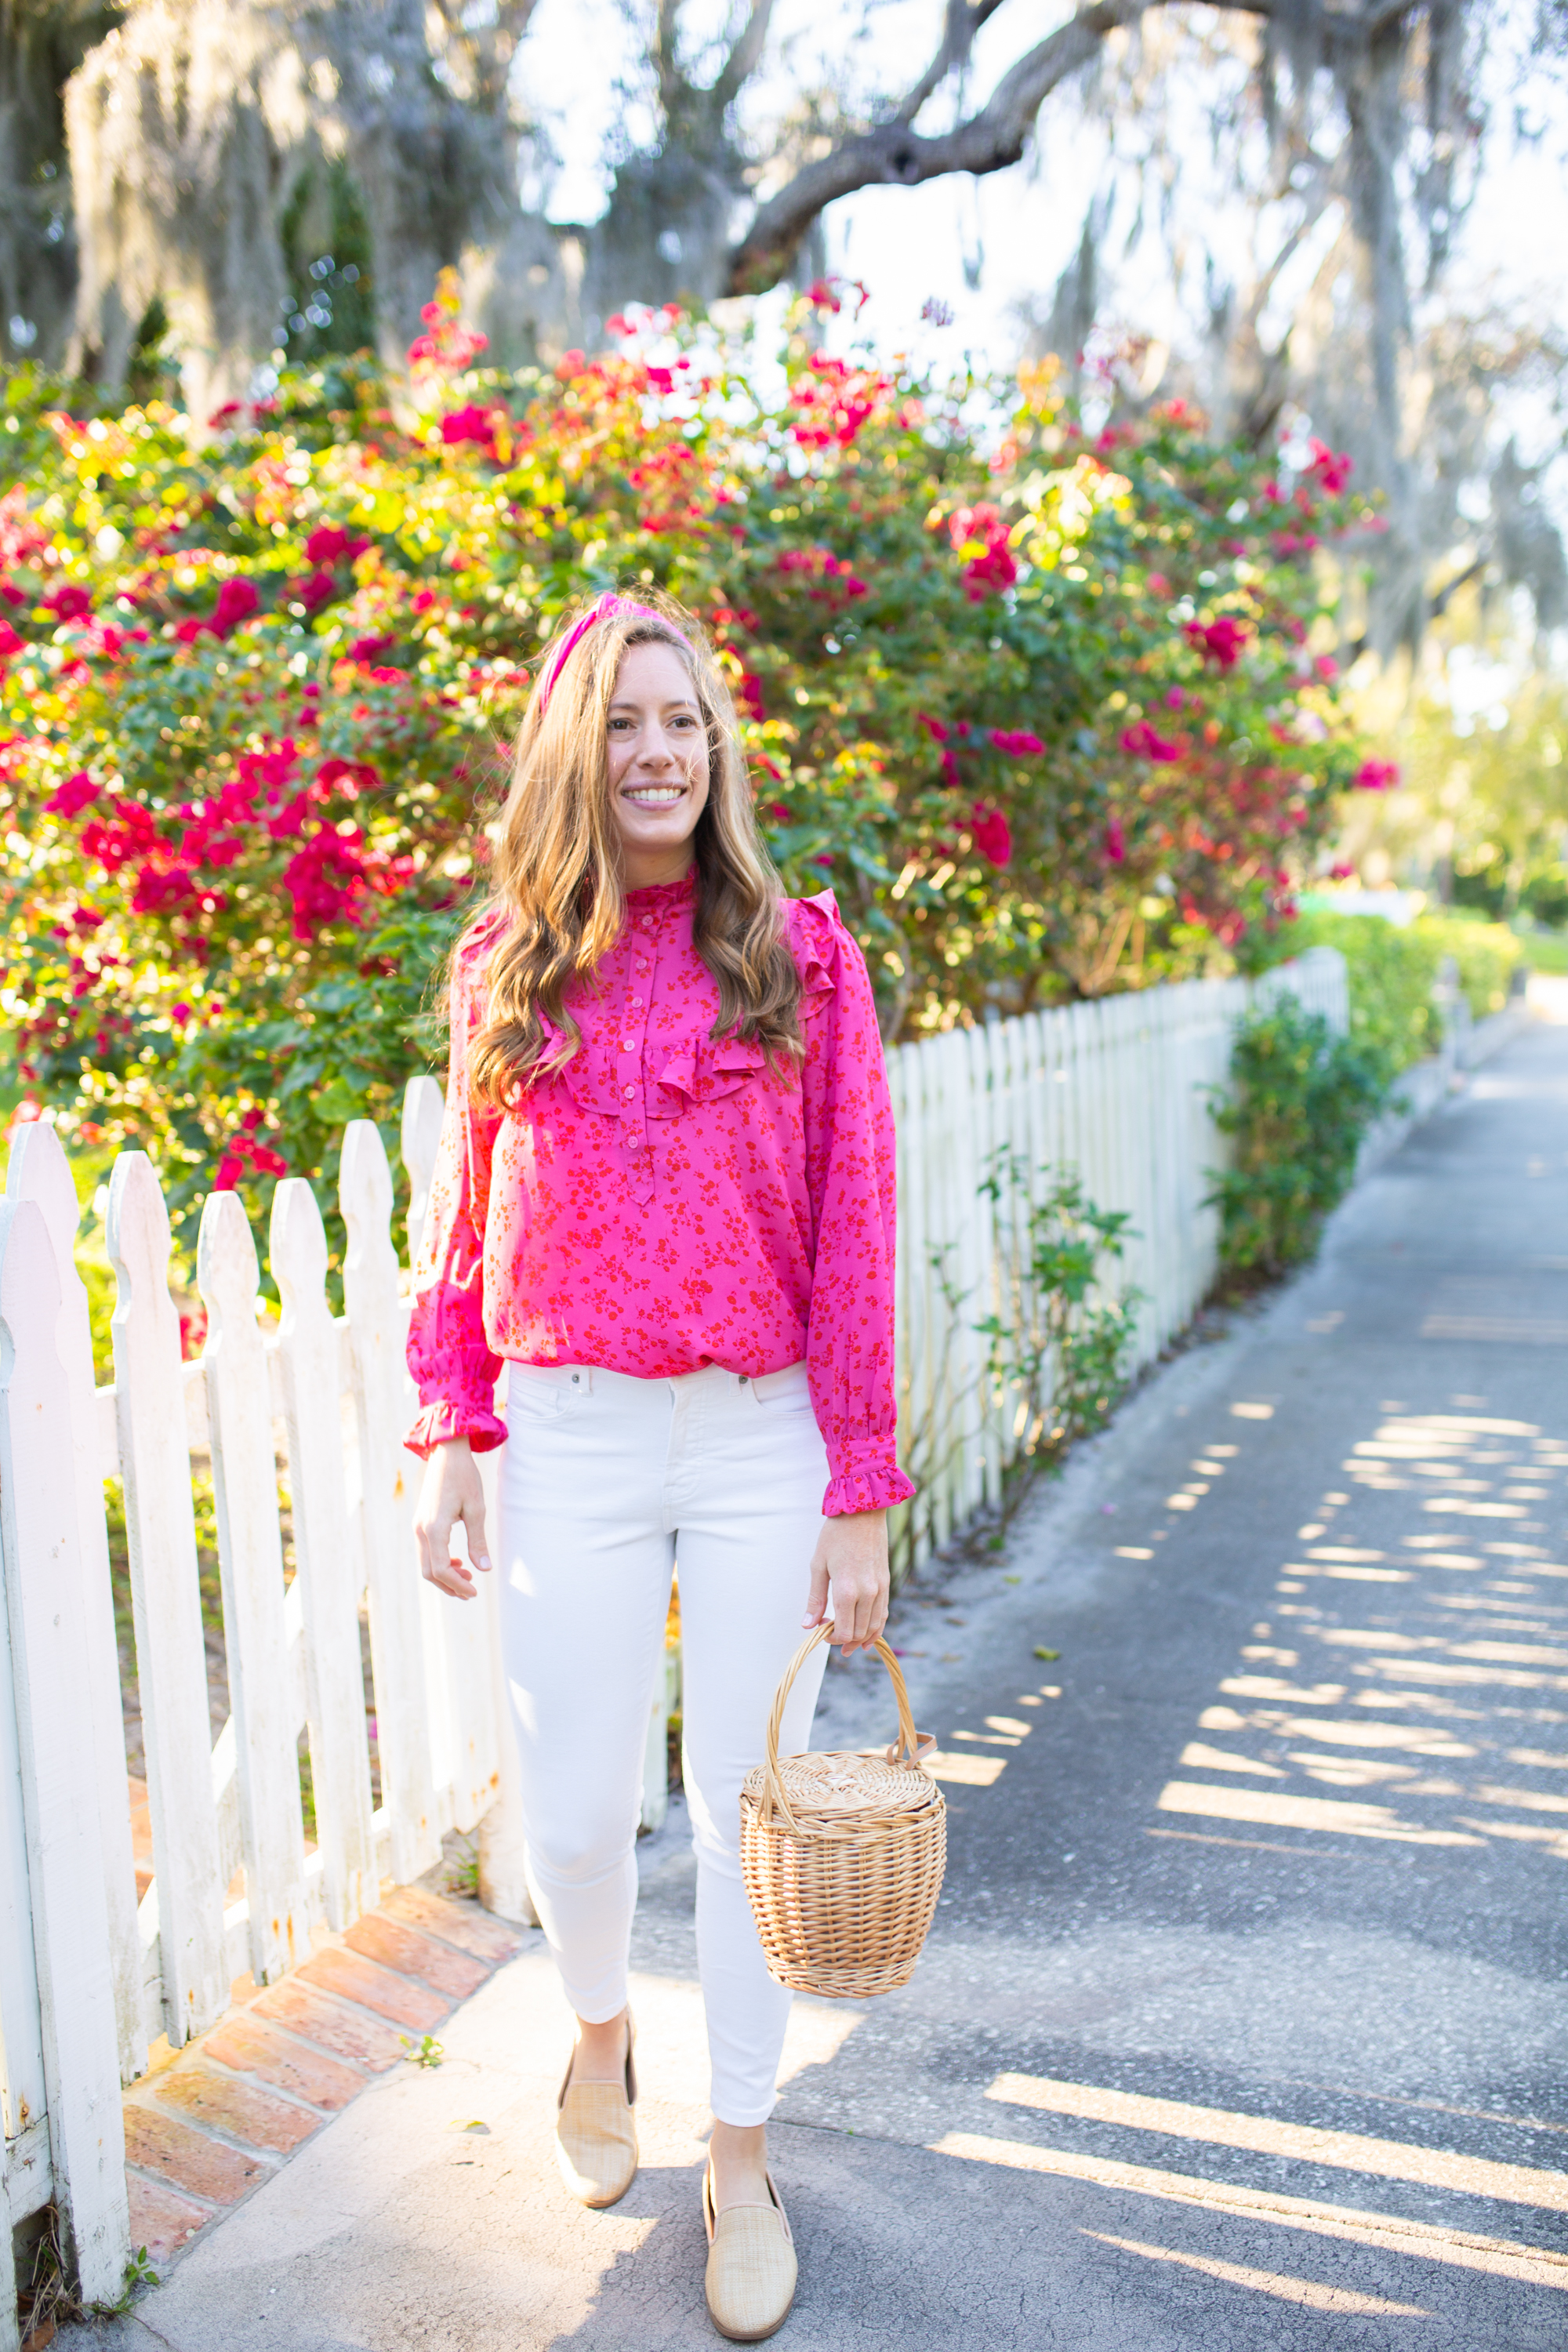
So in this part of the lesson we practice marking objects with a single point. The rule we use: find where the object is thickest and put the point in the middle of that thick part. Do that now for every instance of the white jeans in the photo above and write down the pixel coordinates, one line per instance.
(604, 1480)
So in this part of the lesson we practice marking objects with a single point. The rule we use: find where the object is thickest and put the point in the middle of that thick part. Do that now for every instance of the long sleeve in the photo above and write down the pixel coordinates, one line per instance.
(451, 1359)
(850, 1164)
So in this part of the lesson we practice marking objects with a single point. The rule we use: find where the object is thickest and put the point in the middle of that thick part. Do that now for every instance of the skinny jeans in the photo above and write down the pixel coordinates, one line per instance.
(605, 1482)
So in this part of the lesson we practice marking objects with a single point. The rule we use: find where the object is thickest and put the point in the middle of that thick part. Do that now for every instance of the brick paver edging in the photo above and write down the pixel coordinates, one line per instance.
(207, 2130)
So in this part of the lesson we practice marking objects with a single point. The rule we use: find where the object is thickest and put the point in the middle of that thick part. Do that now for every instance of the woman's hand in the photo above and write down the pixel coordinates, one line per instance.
(451, 1491)
(851, 1562)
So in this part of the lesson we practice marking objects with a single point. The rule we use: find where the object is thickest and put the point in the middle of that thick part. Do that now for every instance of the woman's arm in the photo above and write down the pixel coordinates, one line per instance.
(449, 1357)
(850, 1177)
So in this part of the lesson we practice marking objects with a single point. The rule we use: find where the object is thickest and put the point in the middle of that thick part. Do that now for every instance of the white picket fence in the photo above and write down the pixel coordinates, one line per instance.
(89, 1977)
(1117, 1091)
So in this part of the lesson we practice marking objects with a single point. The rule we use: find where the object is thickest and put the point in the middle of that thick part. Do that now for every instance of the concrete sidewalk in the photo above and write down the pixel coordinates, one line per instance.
(1244, 2016)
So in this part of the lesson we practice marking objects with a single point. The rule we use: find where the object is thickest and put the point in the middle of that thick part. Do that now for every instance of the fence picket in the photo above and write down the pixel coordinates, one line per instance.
(376, 1331)
(38, 1171)
(326, 1552)
(46, 1623)
(264, 1726)
(185, 1906)
(423, 1108)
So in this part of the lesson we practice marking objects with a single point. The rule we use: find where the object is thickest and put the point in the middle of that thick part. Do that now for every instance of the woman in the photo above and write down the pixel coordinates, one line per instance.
(665, 1196)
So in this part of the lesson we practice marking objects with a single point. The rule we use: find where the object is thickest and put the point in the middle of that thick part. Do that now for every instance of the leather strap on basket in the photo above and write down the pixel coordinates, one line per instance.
(907, 1749)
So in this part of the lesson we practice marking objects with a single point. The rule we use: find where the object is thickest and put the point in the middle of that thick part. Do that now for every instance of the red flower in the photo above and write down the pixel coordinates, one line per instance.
(1018, 746)
(1143, 743)
(1115, 842)
(933, 727)
(314, 592)
(237, 600)
(1220, 642)
(1375, 776)
(1333, 469)
(72, 797)
(987, 572)
(327, 543)
(72, 603)
(13, 594)
(991, 834)
(10, 642)
(469, 424)
(370, 649)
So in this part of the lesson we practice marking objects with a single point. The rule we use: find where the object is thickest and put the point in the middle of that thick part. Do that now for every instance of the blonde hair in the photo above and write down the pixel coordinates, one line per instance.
(557, 903)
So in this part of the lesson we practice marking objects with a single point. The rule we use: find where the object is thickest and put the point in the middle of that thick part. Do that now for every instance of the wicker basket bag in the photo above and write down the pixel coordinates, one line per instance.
(843, 1855)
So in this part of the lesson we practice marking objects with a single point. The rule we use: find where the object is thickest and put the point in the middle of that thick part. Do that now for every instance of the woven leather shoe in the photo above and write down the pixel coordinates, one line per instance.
(597, 2134)
(751, 2267)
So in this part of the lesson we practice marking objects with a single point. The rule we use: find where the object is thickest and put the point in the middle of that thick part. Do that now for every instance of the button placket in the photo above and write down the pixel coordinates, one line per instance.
(632, 1043)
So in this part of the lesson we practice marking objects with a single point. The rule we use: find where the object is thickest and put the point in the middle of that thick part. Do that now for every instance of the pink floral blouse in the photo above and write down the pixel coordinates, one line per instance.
(667, 1201)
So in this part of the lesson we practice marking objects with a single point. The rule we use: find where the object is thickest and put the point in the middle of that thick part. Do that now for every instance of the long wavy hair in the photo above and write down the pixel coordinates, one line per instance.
(557, 898)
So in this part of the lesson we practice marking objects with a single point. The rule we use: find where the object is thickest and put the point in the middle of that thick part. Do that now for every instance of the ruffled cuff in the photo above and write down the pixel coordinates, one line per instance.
(445, 1420)
(873, 1488)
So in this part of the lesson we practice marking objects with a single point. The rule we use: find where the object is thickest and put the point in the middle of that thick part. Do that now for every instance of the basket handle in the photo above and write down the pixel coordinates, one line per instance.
(908, 1749)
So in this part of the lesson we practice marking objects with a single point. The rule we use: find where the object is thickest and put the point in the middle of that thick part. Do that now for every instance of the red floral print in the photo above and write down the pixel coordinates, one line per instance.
(666, 1201)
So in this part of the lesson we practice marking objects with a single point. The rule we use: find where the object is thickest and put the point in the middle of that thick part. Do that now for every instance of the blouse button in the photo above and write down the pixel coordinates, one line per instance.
(628, 1045)
(630, 1093)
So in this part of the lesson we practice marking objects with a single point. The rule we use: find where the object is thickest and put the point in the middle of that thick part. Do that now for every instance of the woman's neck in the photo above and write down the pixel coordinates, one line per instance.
(652, 871)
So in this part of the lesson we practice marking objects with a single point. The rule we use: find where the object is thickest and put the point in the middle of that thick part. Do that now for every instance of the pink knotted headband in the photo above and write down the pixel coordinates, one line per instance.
(602, 608)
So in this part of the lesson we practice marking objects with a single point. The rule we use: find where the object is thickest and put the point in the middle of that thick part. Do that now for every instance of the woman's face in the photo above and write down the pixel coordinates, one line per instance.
(658, 752)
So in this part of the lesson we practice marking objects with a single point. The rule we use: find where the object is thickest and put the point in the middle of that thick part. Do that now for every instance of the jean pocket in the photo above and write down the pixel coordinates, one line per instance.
(539, 1394)
(786, 1391)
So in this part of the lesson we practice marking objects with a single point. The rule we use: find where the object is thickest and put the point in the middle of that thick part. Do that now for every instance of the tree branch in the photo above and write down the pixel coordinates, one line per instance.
(964, 18)
(746, 57)
(893, 154)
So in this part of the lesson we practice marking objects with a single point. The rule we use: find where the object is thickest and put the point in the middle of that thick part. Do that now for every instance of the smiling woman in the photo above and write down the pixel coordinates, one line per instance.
(665, 1196)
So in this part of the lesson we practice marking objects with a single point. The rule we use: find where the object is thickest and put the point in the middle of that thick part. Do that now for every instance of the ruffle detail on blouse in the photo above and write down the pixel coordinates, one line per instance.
(445, 1420)
(817, 934)
(865, 1490)
(712, 1067)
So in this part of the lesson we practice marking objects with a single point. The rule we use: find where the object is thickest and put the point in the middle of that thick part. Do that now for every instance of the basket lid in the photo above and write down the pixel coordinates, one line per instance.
(840, 1785)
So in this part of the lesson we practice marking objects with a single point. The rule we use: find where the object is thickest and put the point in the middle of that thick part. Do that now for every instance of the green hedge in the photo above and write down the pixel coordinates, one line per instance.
(1393, 973)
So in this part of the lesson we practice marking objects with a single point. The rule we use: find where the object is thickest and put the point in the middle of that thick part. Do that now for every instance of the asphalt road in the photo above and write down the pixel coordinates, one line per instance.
(1244, 2017)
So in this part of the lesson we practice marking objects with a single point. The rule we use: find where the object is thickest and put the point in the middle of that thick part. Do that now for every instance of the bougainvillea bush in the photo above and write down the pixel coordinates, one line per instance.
(1051, 714)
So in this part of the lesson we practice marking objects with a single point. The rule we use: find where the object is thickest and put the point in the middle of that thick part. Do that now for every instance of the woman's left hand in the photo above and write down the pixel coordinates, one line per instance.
(850, 1565)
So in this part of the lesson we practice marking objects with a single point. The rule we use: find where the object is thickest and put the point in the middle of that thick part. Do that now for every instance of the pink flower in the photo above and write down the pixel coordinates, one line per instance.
(1220, 642)
(933, 727)
(1341, 872)
(327, 543)
(1115, 842)
(1143, 743)
(72, 603)
(10, 642)
(1375, 776)
(1333, 469)
(991, 834)
(469, 424)
(71, 797)
(237, 600)
(1157, 584)
(369, 649)
(314, 592)
(1015, 744)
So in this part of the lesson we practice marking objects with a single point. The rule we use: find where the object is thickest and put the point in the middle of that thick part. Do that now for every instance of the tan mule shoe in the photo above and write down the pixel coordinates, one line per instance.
(597, 2134)
(752, 2268)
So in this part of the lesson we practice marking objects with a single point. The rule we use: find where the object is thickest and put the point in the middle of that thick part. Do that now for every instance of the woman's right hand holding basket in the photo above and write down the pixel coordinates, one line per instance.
(849, 1577)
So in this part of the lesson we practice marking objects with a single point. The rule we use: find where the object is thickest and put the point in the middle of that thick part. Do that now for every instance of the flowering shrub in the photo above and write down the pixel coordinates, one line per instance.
(1046, 711)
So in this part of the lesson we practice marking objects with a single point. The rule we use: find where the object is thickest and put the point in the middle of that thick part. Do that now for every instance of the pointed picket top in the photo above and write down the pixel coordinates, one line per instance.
(136, 1231)
(39, 1172)
(228, 1272)
(365, 1196)
(297, 1250)
(423, 1108)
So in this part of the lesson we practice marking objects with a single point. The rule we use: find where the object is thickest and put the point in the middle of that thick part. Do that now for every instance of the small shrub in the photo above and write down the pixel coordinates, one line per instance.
(1302, 1099)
